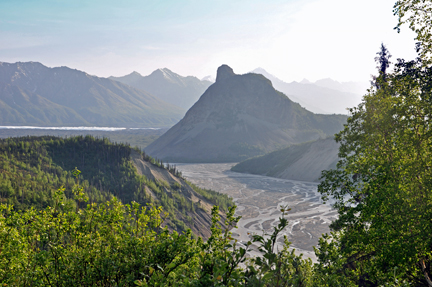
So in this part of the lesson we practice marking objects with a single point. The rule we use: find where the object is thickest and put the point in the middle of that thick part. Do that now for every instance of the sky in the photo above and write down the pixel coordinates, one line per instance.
(291, 39)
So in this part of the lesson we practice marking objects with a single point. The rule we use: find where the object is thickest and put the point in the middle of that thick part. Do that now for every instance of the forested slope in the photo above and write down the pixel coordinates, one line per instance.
(33, 168)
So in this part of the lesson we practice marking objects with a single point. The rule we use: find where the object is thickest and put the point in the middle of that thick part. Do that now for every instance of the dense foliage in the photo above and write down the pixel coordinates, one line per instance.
(417, 15)
(112, 244)
(382, 187)
(383, 183)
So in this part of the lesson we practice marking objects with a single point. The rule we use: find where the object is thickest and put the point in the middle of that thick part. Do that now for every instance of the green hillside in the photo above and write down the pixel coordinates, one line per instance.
(32, 169)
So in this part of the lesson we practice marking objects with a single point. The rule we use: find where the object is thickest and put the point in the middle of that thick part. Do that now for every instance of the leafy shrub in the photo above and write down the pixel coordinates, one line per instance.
(112, 244)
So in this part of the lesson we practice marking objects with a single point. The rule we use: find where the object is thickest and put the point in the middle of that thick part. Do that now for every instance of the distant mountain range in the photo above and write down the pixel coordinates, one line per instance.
(168, 86)
(358, 88)
(238, 117)
(33, 94)
(324, 96)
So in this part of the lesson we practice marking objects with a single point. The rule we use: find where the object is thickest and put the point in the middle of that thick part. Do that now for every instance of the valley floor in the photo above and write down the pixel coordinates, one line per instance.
(135, 137)
(258, 200)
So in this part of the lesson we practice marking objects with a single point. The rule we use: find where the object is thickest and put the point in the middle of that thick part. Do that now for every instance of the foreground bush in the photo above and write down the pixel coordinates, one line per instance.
(113, 244)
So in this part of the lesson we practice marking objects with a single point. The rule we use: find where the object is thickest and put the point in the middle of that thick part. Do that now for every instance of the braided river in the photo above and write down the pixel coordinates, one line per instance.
(258, 199)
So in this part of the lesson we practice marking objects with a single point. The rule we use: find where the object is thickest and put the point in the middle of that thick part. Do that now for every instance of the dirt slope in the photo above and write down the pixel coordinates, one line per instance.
(201, 217)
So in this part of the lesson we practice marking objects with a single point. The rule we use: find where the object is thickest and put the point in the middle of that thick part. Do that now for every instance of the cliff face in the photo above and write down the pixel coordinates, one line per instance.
(238, 117)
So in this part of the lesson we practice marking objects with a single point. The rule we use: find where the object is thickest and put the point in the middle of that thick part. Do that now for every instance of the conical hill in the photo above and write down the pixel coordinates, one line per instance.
(238, 117)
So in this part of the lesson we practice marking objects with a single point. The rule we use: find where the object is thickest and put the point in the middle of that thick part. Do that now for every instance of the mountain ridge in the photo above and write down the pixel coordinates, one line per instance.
(168, 86)
(240, 116)
(323, 96)
(88, 100)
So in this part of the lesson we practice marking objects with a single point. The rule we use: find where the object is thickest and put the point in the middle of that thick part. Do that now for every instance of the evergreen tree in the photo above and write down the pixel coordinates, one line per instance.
(383, 63)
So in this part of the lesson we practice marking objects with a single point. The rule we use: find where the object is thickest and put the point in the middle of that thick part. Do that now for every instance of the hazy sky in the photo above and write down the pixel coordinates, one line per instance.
(292, 39)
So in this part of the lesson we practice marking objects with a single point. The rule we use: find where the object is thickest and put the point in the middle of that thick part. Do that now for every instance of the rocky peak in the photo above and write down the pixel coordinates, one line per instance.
(224, 72)
(164, 73)
(237, 117)
(135, 73)
(259, 70)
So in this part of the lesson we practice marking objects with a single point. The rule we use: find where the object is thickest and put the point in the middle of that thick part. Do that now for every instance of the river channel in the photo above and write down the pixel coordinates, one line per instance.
(258, 199)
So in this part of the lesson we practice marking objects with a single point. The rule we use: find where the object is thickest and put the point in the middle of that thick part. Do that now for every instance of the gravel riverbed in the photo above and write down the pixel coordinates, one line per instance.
(258, 199)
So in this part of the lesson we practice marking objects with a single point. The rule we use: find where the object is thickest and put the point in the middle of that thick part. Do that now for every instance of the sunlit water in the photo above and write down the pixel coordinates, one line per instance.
(108, 129)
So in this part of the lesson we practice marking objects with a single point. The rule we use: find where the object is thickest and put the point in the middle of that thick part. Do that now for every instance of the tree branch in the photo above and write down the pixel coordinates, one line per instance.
(426, 275)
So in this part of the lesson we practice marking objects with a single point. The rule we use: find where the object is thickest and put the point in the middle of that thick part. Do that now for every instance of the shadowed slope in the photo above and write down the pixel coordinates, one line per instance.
(303, 162)
(238, 117)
